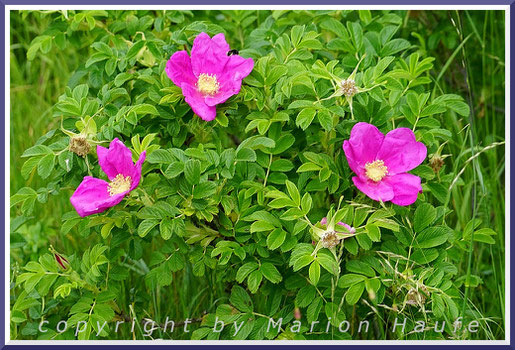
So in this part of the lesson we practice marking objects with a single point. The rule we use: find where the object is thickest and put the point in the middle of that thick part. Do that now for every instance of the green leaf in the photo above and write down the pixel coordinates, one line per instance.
(424, 256)
(192, 171)
(260, 226)
(483, 238)
(354, 293)
(29, 165)
(439, 191)
(245, 155)
(432, 237)
(308, 167)
(105, 231)
(245, 270)
(302, 261)
(270, 272)
(173, 170)
(325, 119)
(374, 233)
(133, 51)
(382, 65)
(305, 296)
(314, 309)
(275, 73)
(282, 165)
(240, 299)
(37, 150)
(110, 66)
(254, 280)
(160, 156)
(305, 117)
(356, 34)
(350, 279)
(306, 203)
(335, 26)
(360, 267)
(296, 35)
(424, 216)
(46, 165)
(438, 305)
(146, 225)
(121, 78)
(165, 228)
(314, 272)
(144, 108)
(293, 192)
(276, 238)
(301, 104)
(394, 46)
(328, 262)
(204, 190)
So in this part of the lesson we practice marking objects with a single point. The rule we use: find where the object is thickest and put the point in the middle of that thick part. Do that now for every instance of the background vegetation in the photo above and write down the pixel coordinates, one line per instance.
(468, 47)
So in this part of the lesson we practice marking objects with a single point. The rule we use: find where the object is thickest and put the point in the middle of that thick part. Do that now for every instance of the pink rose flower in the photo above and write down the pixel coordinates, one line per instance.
(348, 228)
(209, 76)
(96, 195)
(381, 163)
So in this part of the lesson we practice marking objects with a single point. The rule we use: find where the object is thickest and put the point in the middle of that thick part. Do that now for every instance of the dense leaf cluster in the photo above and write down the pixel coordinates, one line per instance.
(235, 201)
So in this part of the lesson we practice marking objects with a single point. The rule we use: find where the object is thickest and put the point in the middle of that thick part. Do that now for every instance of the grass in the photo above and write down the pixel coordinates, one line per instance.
(480, 79)
(469, 51)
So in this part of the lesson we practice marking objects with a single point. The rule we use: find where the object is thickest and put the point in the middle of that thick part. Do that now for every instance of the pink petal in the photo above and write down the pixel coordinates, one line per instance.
(378, 191)
(362, 147)
(237, 68)
(406, 188)
(115, 160)
(209, 55)
(197, 103)
(401, 152)
(107, 167)
(92, 197)
(136, 174)
(348, 228)
(230, 78)
(357, 167)
(178, 69)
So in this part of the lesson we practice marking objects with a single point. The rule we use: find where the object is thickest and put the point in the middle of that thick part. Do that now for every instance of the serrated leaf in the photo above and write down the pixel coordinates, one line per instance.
(240, 299)
(431, 237)
(305, 117)
(254, 280)
(354, 293)
(424, 215)
(275, 239)
(314, 272)
(146, 225)
(270, 272)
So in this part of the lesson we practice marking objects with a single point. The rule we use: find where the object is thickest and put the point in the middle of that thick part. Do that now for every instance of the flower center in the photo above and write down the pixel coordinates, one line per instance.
(119, 184)
(207, 84)
(376, 170)
(348, 87)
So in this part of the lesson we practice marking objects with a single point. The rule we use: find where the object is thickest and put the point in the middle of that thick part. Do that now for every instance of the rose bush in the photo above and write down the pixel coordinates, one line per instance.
(263, 176)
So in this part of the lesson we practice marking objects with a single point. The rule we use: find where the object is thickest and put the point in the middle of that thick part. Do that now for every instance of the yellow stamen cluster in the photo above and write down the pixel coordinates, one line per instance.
(119, 184)
(348, 87)
(376, 170)
(207, 84)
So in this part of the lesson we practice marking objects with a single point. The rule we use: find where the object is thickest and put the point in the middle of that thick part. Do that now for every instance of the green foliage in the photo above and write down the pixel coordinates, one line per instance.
(227, 213)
